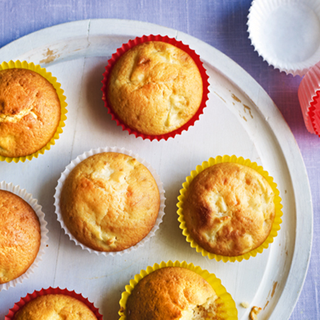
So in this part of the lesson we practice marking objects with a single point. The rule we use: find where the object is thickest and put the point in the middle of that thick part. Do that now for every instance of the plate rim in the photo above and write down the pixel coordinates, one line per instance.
(231, 70)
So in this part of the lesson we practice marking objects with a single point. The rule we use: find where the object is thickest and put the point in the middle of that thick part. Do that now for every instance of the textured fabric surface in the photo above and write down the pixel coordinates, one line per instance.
(221, 24)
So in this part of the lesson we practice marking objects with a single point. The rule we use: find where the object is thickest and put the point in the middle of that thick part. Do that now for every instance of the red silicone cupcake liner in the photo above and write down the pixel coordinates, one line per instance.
(138, 40)
(314, 113)
(30, 296)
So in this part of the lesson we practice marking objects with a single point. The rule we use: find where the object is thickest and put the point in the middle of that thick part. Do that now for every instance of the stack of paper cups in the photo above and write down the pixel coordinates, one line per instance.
(286, 33)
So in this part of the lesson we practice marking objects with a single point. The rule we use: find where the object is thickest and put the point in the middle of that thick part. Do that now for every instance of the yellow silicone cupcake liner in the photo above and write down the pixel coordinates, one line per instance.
(47, 75)
(277, 201)
(226, 309)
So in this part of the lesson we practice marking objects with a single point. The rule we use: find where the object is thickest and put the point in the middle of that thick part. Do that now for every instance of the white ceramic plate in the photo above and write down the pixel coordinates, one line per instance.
(240, 119)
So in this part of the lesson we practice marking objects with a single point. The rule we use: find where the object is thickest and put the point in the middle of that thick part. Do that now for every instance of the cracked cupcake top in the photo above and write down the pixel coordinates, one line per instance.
(229, 209)
(110, 202)
(155, 88)
(29, 112)
(172, 293)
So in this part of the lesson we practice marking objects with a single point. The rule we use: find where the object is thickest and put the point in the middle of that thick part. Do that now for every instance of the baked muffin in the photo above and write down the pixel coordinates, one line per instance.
(20, 236)
(229, 209)
(29, 112)
(55, 306)
(172, 293)
(154, 88)
(109, 202)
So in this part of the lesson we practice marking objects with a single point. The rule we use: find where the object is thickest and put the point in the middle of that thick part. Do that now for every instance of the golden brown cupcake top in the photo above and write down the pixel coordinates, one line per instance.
(110, 201)
(155, 88)
(229, 209)
(29, 112)
(19, 236)
(55, 306)
(172, 293)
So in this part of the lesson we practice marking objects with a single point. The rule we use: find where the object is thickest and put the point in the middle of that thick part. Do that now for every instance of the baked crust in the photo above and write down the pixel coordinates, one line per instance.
(229, 209)
(29, 112)
(155, 88)
(55, 306)
(20, 236)
(110, 201)
(171, 293)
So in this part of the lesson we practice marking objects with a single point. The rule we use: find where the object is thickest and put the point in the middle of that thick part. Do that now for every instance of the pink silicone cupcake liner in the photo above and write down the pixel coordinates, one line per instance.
(23, 301)
(22, 193)
(308, 94)
(138, 40)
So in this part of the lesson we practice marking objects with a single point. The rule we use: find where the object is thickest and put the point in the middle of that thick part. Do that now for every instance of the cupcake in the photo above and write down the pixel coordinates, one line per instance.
(229, 209)
(22, 235)
(109, 202)
(32, 108)
(176, 291)
(54, 303)
(19, 236)
(51, 305)
(155, 87)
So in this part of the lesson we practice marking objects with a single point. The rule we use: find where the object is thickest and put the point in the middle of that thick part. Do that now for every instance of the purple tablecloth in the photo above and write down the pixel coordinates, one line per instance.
(221, 24)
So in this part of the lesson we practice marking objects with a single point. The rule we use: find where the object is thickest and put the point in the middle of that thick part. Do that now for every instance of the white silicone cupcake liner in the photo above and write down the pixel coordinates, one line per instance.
(44, 238)
(286, 33)
(84, 156)
(307, 91)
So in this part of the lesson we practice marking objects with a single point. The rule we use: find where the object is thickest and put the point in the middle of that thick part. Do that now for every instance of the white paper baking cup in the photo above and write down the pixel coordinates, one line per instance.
(307, 91)
(84, 156)
(44, 238)
(286, 33)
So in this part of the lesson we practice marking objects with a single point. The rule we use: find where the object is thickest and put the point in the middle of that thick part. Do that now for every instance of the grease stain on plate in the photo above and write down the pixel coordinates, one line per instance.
(50, 56)
(274, 288)
(220, 97)
(243, 117)
(235, 98)
(247, 108)
(271, 294)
